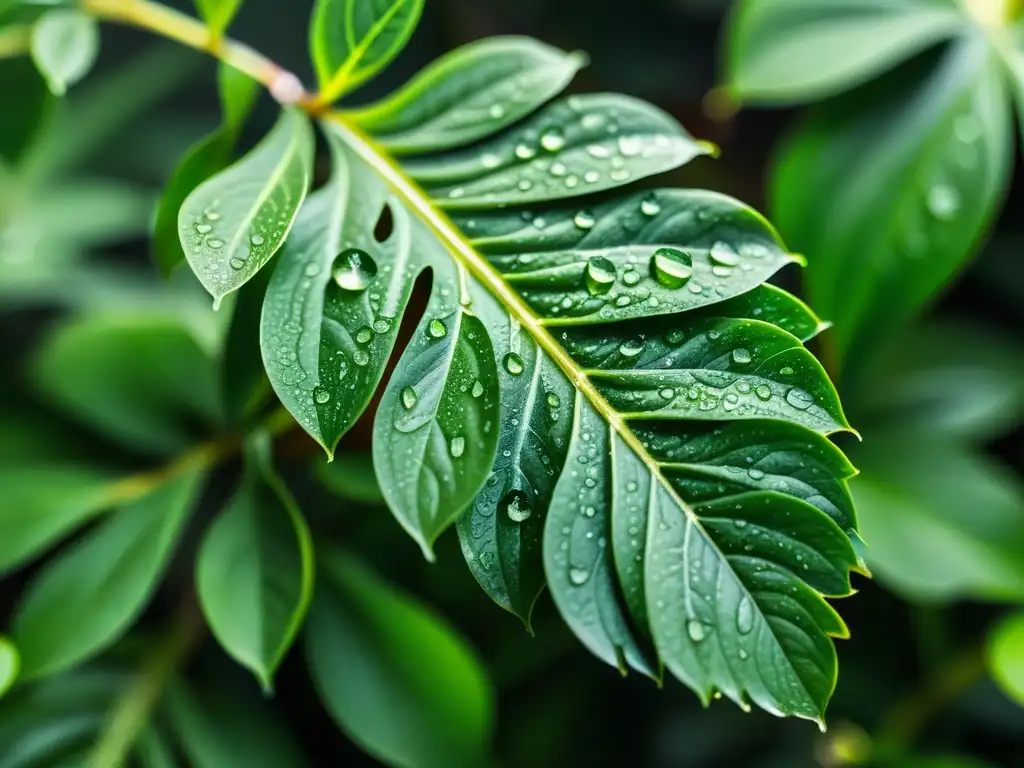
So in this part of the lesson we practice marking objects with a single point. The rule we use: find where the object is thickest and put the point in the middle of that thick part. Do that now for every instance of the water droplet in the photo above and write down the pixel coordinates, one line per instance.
(490, 160)
(591, 177)
(457, 446)
(695, 630)
(517, 506)
(741, 356)
(409, 398)
(204, 229)
(558, 169)
(214, 243)
(578, 576)
(671, 267)
(382, 325)
(943, 202)
(755, 474)
(599, 151)
(584, 220)
(436, 329)
(786, 371)
(743, 655)
(552, 400)
(497, 111)
(256, 240)
(354, 269)
(630, 146)
(524, 151)
(513, 363)
(745, 616)
(552, 139)
(364, 334)
(237, 263)
(478, 388)
(619, 174)
(312, 269)
(631, 277)
(675, 337)
(763, 392)
(799, 399)
(321, 395)
(524, 185)
(631, 348)
(650, 206)
(601, 274)
(724, 255)
(360, 357)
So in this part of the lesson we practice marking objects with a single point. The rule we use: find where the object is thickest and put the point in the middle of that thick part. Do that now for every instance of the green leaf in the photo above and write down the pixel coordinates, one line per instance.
(512, 76)
(890, 190)
(436, 430)
(394, 677)
(210, 155)
(220, 731)
(141, 380)
(570, 147)
(255, 569)
(10, 664)
(634, 328)
(352, 40)
(1005, 656)
(64, 46)
(232, 224)
(43, 503)
(940, 521)
(87, 597)
(218, 13)
(781, 51)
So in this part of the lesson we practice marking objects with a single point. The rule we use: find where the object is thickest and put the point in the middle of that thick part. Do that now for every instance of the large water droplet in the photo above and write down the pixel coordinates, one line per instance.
(631, 146)
(364, 334)
(695, 630)
(321, 395)
(943, 202)
(204, 229)
(256, 240)
(237, 263)
(513, 363)
(436, 329)
(741, 356)
(723, 255)
(552, 139)
(671, 267)
(360, 357)
(578, 576)
(763, 392)
(584, 220)
(799, 399)
(354, 269)
(650, 206)
(524, 151)
(457, 446)
(552, 400)
(631, 348)
(745, 616)
(601, 274)
(409, 398)
(478, 388)
(517, 506)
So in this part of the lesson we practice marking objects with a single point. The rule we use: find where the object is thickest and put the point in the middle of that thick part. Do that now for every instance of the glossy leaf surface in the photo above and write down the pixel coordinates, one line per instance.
(1006, 656)
(218, 13)
(254, 573)
(234, 223)
(88, 596)
(400, 683)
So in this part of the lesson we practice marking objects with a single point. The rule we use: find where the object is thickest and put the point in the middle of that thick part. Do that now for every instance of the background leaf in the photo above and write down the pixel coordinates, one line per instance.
(393, 676)
(254, 573)
(1006, 656)
(218, 13)
(65, 44)
(10, 663)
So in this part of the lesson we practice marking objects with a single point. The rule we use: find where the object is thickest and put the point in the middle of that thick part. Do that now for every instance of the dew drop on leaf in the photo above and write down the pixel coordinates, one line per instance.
(436, 329)
(517, 506)
(354, 269)
(457, 446)
(237, 263)
(650, 206)
(578, 576)
(695, 630)
(799, 399)
(741, 356)
(630, 348)
(943, 202)
(364, 334)
(478, 388)
(745, 616)
(763, 392)
(361, 357)
(513, 364)
(584, 220)
(409, 398)
(755, 474)
(204, 229)
(723, 255)
(671, 267)
(552, 400)
(256, 240)
(524, 151)
(601, 274)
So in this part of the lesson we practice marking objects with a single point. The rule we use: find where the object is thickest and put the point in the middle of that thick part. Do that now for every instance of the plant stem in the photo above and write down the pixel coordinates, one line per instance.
(174, 25)
(131, 712)
(14, 41)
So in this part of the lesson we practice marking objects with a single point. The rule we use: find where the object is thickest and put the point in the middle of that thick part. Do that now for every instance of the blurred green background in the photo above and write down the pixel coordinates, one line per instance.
(938, 402)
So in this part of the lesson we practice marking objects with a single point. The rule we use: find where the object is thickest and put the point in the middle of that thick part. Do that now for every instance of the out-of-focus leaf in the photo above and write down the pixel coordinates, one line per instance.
(255, 569)
(217, 731)
(944, 761)
(396, 679)
(218, 13)
(9, 665)
(64, 46)
(1006, 656)
(512, 76)
(144, 381)
(210, 155)
(232, 224)
(941, 522)
(351, 40)
(21, 84)
(785, 51)
(957, 379)
(89, 596)
(41, 504)
(351, 477)
(891, 189)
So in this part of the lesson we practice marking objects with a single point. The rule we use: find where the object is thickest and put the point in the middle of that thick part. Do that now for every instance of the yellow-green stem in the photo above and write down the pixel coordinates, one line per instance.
(14, 41)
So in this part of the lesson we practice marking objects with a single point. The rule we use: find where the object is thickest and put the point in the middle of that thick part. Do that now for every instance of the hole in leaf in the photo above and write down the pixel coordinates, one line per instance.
(385, 224)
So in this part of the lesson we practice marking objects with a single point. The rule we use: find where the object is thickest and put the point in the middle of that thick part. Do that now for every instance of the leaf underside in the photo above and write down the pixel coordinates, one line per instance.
(603, 395)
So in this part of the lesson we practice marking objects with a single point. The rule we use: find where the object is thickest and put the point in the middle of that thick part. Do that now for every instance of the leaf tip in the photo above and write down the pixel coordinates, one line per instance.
(578, 60)
(799, 258)
(709, 148)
